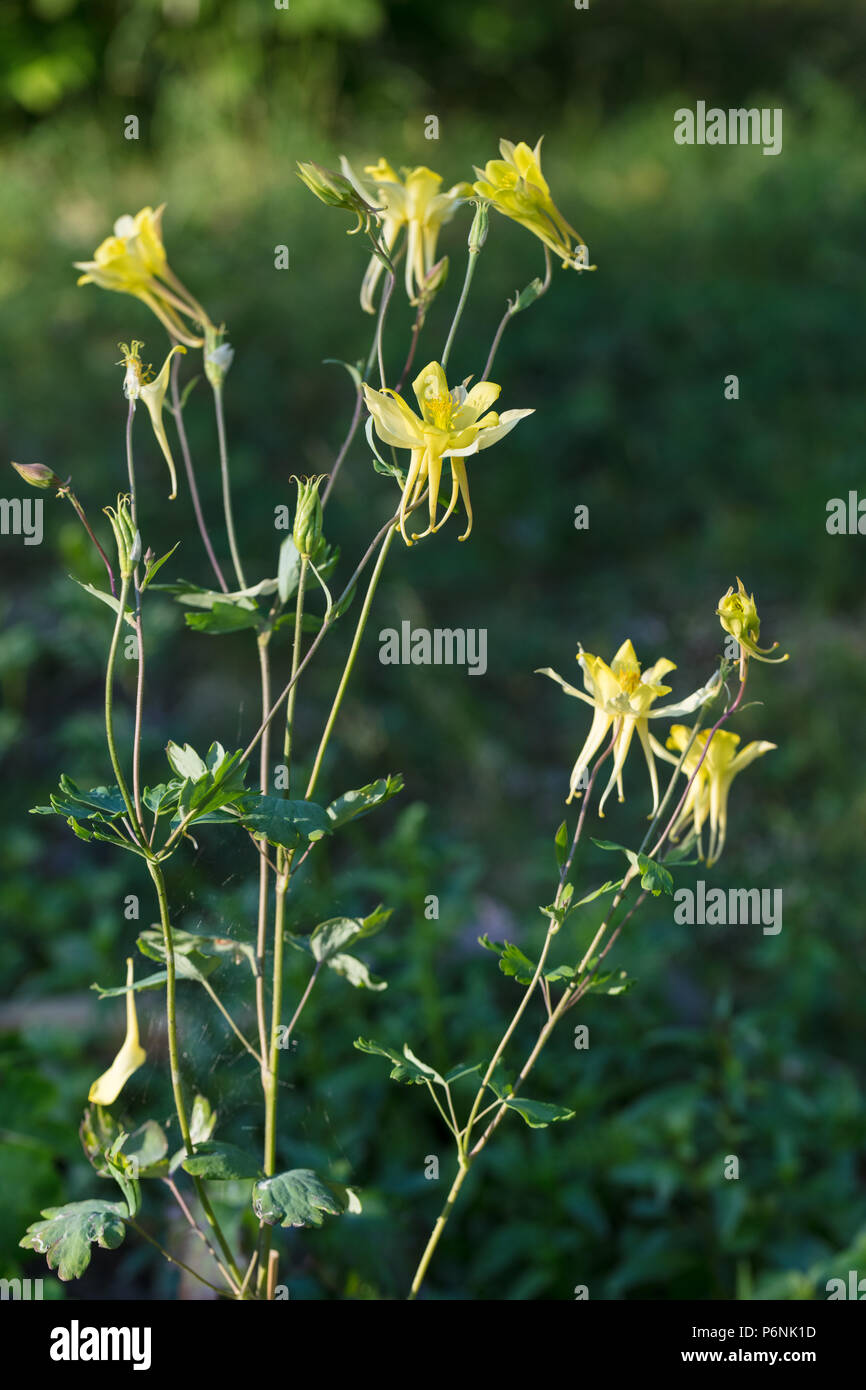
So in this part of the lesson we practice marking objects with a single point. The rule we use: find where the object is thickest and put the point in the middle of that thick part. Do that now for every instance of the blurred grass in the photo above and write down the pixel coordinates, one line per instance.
(710, 262)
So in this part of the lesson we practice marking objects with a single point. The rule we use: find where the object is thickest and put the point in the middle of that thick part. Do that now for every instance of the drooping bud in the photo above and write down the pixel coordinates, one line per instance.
(37, 475)
(337, 191)
(307, 530)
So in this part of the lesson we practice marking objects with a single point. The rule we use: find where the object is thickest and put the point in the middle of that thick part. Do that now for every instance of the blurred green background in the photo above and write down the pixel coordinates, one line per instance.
(710, 261)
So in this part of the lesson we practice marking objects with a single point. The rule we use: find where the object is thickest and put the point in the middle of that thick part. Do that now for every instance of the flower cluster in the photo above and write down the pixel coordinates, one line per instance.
(622, 697)
(413, 199)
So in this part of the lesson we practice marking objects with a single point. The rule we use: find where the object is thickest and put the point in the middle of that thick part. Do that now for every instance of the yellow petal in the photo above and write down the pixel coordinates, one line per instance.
(131, 1056)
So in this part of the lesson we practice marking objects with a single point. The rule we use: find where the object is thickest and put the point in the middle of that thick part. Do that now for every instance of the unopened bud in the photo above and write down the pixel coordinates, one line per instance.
(126, 536)
(37, 475)
(218, 356)
(307, 531)
(478, 230)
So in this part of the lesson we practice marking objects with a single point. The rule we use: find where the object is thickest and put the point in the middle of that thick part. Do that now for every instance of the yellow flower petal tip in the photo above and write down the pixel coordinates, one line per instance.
(131, 1056)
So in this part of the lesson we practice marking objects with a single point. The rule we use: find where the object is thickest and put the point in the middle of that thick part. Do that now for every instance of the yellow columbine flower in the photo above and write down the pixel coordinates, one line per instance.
(517, 188)
(738, 615)
(452, 425)
(708, 794)
(413, 202)
(136, 386)
(131, 1056)
(133, 261)
(621, 695)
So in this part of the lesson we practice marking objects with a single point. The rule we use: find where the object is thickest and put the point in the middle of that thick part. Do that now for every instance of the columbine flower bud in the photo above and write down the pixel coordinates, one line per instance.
(37, 474)
(218, 356)
(126, 536)
(478, 230)
(738, 615)
(307, 531)
(336, 191)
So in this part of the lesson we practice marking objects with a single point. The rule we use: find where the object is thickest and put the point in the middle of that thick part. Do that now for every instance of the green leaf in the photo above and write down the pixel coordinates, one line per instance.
(186, 762)
(408, 1068)
(654, 876)
(97, 1132)
(300, 1198)
(222, 618)
(288, 570)
(194, 597)
(560, 844)
(155, 566)
(611, 982)
(538, 1114)
(355, 971)
(124, 1170)
(461, 1070)
(357, 803)
(332, 936)
(163, 797)
(99, 803)
(113, 603)
(512, 961)
(217, 1162)
(284, 823)
(605, 888)
(66, 1234)
(146, 982)
(202, 1120)
(146, 1148)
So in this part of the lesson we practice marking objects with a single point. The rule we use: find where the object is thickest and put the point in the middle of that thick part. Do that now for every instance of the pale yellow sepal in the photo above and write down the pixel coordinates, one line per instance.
(153, 395)
(131, 1056)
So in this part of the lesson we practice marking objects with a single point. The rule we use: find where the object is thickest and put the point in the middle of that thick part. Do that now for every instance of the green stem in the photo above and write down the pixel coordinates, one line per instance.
(350, 660)
(436, 1233)
(174, 1062)
(227, 496)
(461, 303)
(109, 705)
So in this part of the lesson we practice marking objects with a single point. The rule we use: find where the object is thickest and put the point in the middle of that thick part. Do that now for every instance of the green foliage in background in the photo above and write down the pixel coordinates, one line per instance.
(710, 262)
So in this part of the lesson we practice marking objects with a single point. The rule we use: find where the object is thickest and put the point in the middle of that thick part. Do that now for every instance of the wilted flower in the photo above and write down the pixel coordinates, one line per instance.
(708, 794)
(131, 1056)
(516, 187)
(133, 261)
(414, 202)
(452, 425)
(738, 615)
(621, 696)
